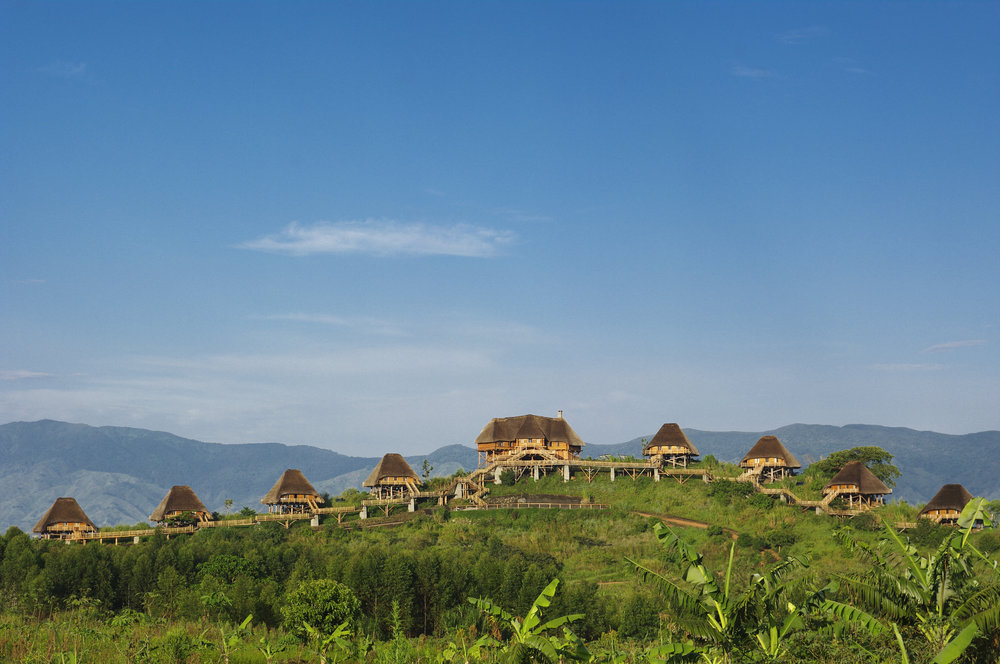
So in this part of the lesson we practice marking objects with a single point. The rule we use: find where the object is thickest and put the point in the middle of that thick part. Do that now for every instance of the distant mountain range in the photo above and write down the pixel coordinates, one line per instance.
(119, 474)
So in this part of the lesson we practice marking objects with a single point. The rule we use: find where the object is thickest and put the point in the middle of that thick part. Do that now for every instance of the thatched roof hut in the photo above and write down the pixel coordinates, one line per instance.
(392, 476)
(947, 504)
(63, 519)
(180, 499)
(550, 436)
(672, 444)
(292, 492)
(769, 460)
(770, 450)
(855, 478)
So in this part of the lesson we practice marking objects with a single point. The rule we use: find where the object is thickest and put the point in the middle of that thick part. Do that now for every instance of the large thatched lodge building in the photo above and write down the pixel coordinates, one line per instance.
(528, 436)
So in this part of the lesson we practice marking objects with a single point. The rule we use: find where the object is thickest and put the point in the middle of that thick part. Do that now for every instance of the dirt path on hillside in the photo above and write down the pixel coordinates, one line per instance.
(685, 522)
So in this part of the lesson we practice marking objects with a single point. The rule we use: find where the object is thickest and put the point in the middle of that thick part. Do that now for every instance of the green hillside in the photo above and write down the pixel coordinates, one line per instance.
(119, 474)
(413, 572)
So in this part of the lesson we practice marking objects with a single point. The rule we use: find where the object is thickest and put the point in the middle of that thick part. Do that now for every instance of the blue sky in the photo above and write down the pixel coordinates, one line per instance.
(374, 226)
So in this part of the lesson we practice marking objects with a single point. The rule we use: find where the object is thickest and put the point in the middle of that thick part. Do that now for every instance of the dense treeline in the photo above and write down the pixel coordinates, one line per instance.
(230, 573)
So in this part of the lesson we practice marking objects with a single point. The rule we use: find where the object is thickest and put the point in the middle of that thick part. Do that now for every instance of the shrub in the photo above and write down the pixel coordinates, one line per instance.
(776, 539)
(507, 478)
(322, 603)
(178, 645)
(726, 490)
(989, 541)
(928, 534)
(866, 521)
(761, 501)
(714, 531)
(640, 619)
(748, 541)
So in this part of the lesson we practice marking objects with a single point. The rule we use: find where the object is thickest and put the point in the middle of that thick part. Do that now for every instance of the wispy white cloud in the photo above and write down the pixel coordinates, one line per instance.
(22, 374)
(29, 282)
(952, 345)
(743, 71)
(65, 69)
(916, 366)
(383, 238)
(803, 35)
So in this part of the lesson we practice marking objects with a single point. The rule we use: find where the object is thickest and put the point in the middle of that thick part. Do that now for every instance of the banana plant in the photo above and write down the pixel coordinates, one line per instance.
(467, 652)
(937, 594)
(721, 618)
(530, 639)
(339, 641)
(229, 641)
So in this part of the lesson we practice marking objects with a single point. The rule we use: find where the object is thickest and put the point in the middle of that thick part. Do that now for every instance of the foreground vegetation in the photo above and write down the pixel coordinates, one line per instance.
(762, 582)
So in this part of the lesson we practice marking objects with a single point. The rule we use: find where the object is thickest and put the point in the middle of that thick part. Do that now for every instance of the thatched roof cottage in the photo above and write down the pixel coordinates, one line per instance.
(947, 504)
(858, 485)
(541, 437)
(671, 445)
(180, 499)
(769, 460)
(65, 519)
(292, 493)
(392, 478)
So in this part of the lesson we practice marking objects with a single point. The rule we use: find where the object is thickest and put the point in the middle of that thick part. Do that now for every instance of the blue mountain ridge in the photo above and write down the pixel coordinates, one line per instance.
(119, 474)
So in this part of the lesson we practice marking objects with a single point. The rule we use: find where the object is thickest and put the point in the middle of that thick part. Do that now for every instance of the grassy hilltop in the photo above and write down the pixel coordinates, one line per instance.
(183, 599)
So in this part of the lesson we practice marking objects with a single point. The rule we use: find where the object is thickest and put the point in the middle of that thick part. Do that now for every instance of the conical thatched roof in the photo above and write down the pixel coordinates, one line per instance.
(949, 497)
(768, 447)
(292, 481)
(552, 429)
(857, 473)
(391, 465)
(180, 498)
(63, 510)
(671, 434)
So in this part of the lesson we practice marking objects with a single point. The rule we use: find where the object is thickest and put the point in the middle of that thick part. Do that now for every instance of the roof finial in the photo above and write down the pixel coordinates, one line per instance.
(560, 415)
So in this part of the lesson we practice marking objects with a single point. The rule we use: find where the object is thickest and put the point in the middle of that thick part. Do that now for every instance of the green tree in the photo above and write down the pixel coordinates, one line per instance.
(875, 458)
(228, 567)
(323, 604)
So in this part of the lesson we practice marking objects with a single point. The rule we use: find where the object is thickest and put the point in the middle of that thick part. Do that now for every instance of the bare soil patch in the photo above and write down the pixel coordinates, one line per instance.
(540, 498)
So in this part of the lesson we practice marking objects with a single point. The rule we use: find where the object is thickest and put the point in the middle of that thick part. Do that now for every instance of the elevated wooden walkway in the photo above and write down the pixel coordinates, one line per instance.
(753, 477)
(474, 487)
(545, 505)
